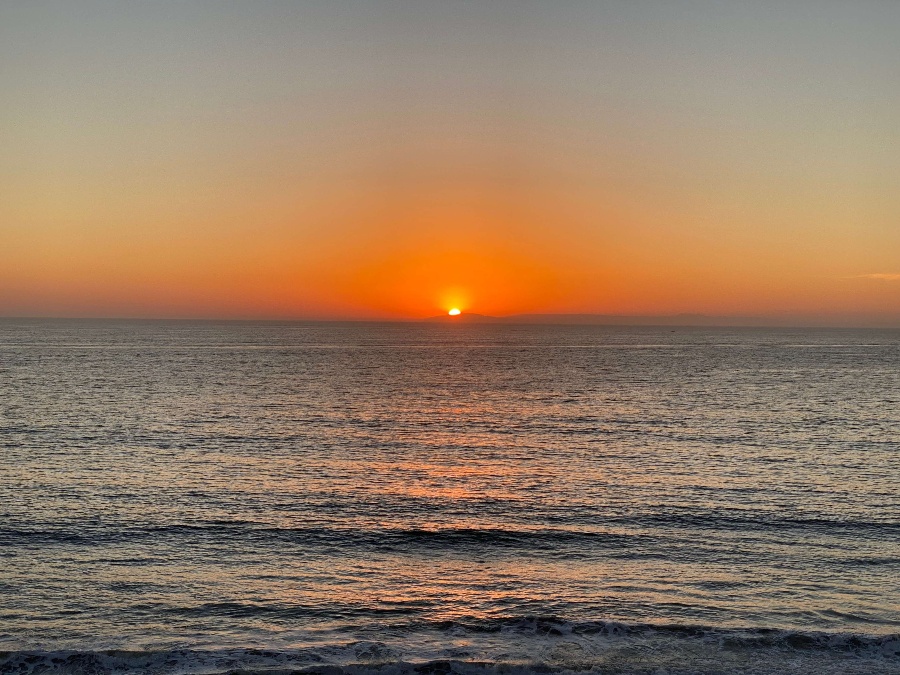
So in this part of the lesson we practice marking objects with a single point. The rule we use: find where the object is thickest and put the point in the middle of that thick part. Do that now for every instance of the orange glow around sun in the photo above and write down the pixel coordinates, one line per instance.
(426, 276)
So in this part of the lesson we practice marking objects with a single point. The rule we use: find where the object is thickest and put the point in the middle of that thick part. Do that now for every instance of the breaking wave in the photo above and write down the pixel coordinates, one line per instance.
(510, 646)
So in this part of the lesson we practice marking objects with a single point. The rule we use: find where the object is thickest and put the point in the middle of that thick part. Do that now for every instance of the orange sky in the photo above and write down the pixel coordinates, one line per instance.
(309, 160)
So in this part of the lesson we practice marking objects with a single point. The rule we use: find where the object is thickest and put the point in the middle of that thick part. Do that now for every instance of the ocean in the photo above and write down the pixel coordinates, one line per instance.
(224, 497)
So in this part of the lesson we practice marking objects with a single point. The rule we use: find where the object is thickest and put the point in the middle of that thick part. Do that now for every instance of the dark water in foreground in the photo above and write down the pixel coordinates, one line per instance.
(204, 498)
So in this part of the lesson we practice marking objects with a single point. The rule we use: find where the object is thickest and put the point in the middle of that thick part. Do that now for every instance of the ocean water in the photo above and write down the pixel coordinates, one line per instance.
(181, 497)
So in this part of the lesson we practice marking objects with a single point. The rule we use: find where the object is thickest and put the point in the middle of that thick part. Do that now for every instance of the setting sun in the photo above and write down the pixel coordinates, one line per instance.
(454, 312)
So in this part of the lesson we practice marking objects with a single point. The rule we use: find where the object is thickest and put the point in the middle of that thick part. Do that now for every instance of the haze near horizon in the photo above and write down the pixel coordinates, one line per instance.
(395, 160)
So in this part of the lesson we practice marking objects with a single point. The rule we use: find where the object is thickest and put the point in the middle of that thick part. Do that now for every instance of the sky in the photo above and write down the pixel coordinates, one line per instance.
(392, 160)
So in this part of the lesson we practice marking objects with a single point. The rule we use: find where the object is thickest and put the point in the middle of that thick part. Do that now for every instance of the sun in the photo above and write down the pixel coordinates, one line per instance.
(454, 312)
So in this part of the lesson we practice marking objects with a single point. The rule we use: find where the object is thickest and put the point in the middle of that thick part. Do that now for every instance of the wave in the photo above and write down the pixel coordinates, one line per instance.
(639, 528)
(510, 646)
(375, 538)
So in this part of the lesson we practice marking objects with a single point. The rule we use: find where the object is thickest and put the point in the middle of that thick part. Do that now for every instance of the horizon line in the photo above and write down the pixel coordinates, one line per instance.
(680, 319)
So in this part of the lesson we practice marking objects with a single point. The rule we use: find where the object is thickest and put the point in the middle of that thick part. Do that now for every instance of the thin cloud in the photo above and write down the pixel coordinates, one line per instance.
(880, 276)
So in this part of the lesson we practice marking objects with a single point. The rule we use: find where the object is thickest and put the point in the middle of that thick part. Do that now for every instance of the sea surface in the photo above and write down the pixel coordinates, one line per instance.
(202, 497)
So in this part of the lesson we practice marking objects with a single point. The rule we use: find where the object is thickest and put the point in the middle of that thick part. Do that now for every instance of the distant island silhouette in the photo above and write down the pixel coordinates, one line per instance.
(686, 319)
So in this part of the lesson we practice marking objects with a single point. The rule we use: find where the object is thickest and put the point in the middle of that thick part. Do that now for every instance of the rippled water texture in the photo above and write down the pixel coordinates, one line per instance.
(220, 486)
